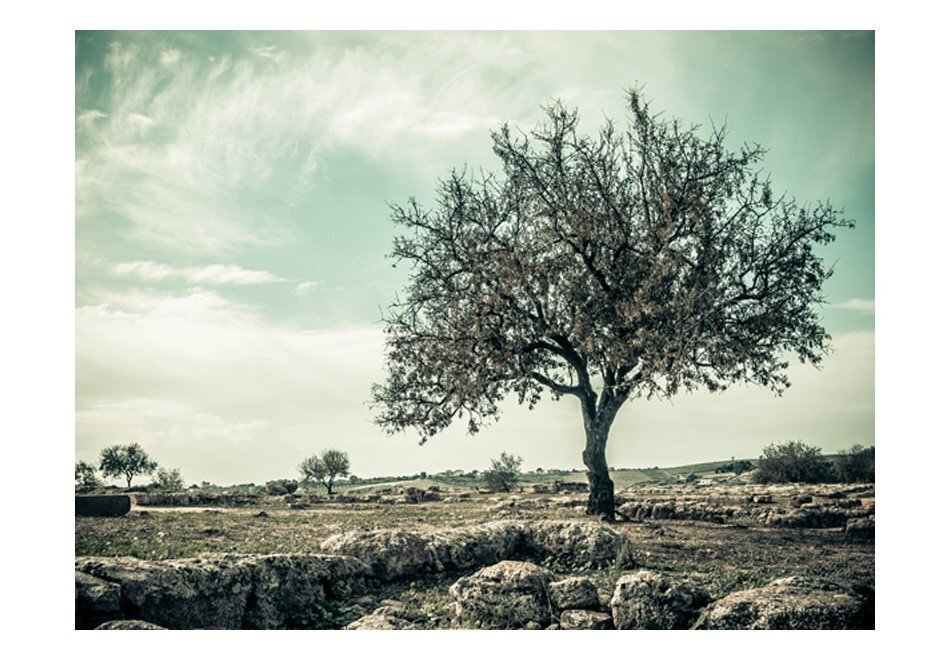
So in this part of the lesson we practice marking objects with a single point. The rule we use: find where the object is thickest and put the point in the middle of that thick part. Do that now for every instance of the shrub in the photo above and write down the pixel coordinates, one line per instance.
(86, 478)
(856, 465)
(168, 479)
(735, 466)
(504, 472)
(281, 487)
(793, 462)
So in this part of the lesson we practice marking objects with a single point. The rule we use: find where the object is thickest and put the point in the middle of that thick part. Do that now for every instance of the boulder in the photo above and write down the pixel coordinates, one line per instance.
(576, 543)
(229, 591)
(585, 620)
(96, 600)
(474, 546)
(574, 593)
(646, 600)
(383, 618)
(391, 554)
(860, 528)
(103, 506)
(507, 595)
(129, 624)
(793, 603)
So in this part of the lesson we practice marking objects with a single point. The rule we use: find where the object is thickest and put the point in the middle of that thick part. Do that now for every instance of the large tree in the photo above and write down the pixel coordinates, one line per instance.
(126, 461)
(633, 263)
(325, 468)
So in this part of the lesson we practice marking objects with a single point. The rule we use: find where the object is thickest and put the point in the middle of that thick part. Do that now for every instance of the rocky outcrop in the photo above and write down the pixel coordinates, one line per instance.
(507, 595)
(794, 603)
(576, 543)
(221, 592)
(96, 600)
(585, 620)
(391, 554)
(474, 546)
(574, 593)
(129, 624)
(383, 618)
(676, 510)
(649, 601)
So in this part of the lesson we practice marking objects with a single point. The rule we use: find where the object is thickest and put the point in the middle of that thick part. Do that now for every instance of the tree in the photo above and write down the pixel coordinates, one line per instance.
(856, 465)
(86, 478)
(126, 461)
(169, 479)
(792, 462)
(633, 263)
(504, 472)
(325, 468)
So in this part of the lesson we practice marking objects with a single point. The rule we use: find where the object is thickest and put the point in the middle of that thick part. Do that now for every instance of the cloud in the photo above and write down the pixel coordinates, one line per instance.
(151, 271)
(856, 305)
(303, 288)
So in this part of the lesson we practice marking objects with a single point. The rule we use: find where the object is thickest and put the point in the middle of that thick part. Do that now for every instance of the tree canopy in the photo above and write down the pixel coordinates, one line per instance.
(126, 461)
(325, 468)
(635, 262)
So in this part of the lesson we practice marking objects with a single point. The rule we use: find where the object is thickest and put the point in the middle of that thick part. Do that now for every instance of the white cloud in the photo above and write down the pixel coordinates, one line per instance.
(303, 288)
(151, 271)
(856, 305)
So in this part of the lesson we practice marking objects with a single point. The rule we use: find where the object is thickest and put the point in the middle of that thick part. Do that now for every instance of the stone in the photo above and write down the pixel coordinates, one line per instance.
(96, 600)
(646, 600)
(532, 625)
(507, 595)
(391, 554)
(574, 593)
(382, 618)
(103, 506)
(474, 546)
(576, 543)
(794, 603)
(585, 620)
(860, 528)
(129, 624)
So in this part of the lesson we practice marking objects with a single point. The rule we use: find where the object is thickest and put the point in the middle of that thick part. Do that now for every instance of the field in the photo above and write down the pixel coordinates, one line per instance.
(746, 548)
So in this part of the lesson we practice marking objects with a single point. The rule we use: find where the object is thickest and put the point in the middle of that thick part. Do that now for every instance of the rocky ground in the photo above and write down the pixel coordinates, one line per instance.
(681, 556)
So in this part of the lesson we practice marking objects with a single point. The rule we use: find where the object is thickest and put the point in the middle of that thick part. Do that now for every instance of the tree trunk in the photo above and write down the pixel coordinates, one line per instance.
(128, 482)
(600, 501)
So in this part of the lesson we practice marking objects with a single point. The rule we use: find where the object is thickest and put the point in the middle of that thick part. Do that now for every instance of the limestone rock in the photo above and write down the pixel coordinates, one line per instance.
(383, 618)
(649, 601)
(585, 620)
(391, 554)
(507, 595)
(129, 624)
(574, 593)
(577, 543)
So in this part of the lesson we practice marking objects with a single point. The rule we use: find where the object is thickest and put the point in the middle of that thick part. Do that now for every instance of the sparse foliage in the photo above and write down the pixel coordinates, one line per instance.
(169, 479)
(738, 467)
(636, 262)
(856, 465)
(793, 462)
(126, 461)
(504, 472)
(86, 478)
(325, 468)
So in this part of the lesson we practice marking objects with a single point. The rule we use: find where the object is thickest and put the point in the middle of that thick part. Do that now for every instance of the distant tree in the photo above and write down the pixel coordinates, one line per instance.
(636, 262)
(354, 479)
(86, 478)
(126, 461)
(793, 462)
(169, 479)
(423, 474)
(504, 471)
(325, 468)
(738, 467)
(856, 465)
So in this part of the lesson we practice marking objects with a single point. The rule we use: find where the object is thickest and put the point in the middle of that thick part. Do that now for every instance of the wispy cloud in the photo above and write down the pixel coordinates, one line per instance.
(151, 271)
(303, 288)
(856, 305)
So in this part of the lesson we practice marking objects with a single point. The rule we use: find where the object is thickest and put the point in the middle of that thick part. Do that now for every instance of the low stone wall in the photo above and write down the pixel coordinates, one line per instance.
(102, 505)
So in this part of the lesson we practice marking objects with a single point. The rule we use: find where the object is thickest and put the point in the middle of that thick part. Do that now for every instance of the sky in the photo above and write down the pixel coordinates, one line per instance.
(232, 227)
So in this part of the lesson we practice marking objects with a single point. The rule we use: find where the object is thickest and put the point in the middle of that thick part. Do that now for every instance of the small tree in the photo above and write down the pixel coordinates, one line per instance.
(793, 462)
(86, 478)
(169, 479)
(856, 465)
(638, 262)
(325, 468)
(126, 461)
(504, 472)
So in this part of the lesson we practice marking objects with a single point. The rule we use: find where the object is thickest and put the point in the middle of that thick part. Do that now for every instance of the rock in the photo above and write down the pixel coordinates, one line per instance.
(395, 605)
(103, 506)
(860, 528)
(649, 601)
(96, 600)
(391, 554)
(382, 618)
(762, 499)
(576, 543)
(129, 624)
(798, 500)
(281, 487)
(474, 546)
(808, 516)
(507, 595)
(585, 620)
(574, 593)
(794, 603)
(229, 591)
(553, 626)
(532, 625)
(261, 514)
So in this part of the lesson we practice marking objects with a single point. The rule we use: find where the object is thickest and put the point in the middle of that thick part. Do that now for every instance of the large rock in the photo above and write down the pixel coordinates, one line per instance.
(576, 543)
(793, 603)
(107, 506)
(229, 591)
(574, 593)
(96, 601)
(585, 620)
(478, 545)
(382, 618)
(507, 595)
(649, 601)
(392, 554)
(129, 624)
